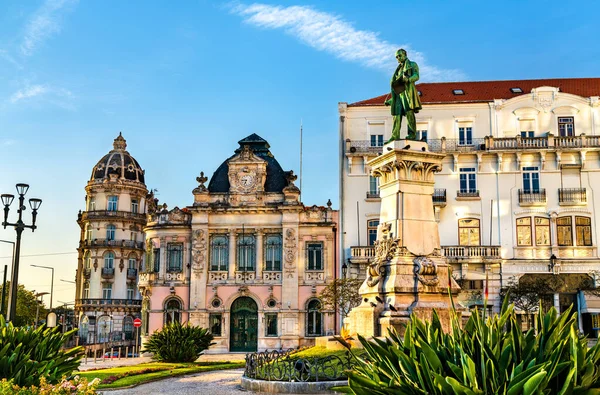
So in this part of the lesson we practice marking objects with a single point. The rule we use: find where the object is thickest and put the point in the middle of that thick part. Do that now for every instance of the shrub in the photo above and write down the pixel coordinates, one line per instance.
(487, 356)
(178, 343)
(77, 385)
(27, 355)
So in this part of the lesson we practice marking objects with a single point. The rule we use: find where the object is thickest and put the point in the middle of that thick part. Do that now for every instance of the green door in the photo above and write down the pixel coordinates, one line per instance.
(244, 325)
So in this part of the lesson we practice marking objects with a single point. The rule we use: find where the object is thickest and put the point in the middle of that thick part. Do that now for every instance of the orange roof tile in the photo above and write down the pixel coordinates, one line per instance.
(487, 91)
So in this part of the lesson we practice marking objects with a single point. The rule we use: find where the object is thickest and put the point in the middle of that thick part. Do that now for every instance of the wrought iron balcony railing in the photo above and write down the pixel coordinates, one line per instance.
(113, 243)
(111, 302)
(572, 195)
(131, 274)
(87, 273)
(467, 194)
(108, 272)
(532, 196)
(100, 214)
(373, 195)
(439, 196)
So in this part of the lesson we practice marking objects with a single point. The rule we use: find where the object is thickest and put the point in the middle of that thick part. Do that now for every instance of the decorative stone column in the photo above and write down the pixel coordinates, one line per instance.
(408, 275)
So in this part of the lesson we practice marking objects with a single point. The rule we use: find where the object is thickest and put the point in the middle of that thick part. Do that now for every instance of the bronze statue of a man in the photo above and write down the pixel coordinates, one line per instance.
(404, 99)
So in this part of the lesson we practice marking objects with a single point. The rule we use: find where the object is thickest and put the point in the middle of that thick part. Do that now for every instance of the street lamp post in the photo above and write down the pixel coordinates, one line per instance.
(5, 272)
(37, 309)
(19, 226)
(51, 281)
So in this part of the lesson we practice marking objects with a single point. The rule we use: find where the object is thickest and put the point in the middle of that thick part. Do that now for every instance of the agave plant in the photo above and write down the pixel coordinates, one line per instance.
(487, 356)
(179, 343)
(28, 354)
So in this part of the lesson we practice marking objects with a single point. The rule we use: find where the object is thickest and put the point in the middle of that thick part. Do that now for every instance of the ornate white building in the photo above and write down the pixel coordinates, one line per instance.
(517, 194)
(247, 259)
(111, 249)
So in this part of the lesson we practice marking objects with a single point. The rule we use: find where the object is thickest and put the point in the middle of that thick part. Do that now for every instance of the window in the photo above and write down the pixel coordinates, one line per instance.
(315, 256)
(174, 257)
(271, 324)
(465, 135)
(468, 180)
(128, 327)
(132, 262)
(473, 284)
(104, 328)
(527, 134)
(372, 231)
(110, 232)
(172, 311)
(516, 90)
(421, 134)
(531, 180)
(314, 321)
(273, 253)
(377, 140)
(86, 290)
(133, 236)
(468, 232)
(583, 231)
(527, 127)
(214, 323)
(87, 260)
(84, 325)
(564, 231)
(106, 290)
(134, 206)
(91, 204)
(156, 260)
(524, 231)
(88, 232)
(246, 256)
(542, 231)
(219, 253)
(130, 291)
(109, 260)
(112, 203)
(373, 186)
(566, 126)
(458, 91)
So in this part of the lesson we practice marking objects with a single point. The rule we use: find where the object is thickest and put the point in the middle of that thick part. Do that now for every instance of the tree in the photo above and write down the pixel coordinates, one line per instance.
(342, 294)
(26, 306)
(526, 295)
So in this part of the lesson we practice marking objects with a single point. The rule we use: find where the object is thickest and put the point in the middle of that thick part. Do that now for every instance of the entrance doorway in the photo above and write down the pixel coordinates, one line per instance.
(244, 325)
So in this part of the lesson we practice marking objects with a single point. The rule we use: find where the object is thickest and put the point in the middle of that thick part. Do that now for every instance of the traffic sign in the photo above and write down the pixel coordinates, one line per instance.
(137, 322)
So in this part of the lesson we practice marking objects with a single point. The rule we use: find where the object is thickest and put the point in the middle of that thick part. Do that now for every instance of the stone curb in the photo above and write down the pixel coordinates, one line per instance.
(285, 387)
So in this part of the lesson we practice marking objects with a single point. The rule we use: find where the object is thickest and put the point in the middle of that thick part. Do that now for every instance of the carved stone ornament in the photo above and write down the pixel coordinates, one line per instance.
(95, 264)
(290, 248)
(426, 271)
(198, 250)
(121, 265)
(384, 252)
(201, 180)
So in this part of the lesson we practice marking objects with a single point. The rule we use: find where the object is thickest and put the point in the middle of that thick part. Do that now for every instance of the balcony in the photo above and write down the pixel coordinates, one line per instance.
(456, 145)
(471, 252)
(468, 194)
(109, 303)
(572, 196)
(362, 147)
(491, 143)
(373, 195)
(87, 273)
(439, 197)
(113, 243)
(532, 198)
(131, 274)
(108, 272)
(105, 214)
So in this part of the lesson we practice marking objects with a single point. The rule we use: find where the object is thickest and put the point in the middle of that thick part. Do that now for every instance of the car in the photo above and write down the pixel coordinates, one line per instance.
(115, 354)
(132, 355)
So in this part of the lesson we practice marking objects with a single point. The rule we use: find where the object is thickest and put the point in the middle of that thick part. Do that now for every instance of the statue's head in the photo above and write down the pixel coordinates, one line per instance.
(401, 55)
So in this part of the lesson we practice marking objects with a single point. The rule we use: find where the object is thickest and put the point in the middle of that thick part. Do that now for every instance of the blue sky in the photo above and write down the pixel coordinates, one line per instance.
(184, 83)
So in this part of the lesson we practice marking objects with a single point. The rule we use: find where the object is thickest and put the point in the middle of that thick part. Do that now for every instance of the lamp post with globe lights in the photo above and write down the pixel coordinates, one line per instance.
(19, 226)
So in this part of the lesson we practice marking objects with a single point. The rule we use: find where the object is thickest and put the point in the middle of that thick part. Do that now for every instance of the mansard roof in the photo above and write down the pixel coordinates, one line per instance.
(488, 91)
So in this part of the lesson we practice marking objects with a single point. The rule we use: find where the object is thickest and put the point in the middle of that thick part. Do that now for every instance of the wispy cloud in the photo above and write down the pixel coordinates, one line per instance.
(7, 142)
(330, 33)
(60, 97)
(45, 22)
(9, 58)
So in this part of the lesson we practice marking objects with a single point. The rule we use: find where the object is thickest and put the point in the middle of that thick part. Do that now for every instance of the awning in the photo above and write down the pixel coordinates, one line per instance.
(591, 304)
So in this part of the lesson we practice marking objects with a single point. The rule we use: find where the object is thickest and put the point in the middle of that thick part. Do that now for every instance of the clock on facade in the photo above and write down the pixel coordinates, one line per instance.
(247, 180)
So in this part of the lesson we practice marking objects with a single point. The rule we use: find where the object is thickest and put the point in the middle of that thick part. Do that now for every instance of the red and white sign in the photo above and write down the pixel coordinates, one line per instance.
(137, 322)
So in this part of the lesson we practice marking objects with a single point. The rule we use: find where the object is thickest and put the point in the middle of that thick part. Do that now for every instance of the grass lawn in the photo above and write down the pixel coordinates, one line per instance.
(138, 374)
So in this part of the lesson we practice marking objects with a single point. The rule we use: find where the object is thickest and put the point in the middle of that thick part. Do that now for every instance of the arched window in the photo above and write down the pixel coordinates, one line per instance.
(86, 290)
(88, 232)
(128, 327)
(87, 260)
(109, 260)
(468, 232)
(110, 232)
(172, 311)
(84, 324)
(314, 321)
(132, 262)
(104, 329)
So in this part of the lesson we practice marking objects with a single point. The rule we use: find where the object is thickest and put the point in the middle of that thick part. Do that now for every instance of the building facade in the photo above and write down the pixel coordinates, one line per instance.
(111, 250)
(246, 259)
(516, 197)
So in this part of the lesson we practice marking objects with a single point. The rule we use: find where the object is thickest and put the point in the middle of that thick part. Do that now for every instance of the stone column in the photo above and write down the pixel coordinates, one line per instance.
(259, 253)
(557, 302)
(232, 249)
(163, 257)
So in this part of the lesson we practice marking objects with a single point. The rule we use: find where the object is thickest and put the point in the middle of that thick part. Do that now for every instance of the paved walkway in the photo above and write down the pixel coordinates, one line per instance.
(114, 362)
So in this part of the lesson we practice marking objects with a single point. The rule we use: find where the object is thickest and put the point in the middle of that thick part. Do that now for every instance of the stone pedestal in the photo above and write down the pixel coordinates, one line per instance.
(408, 274)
